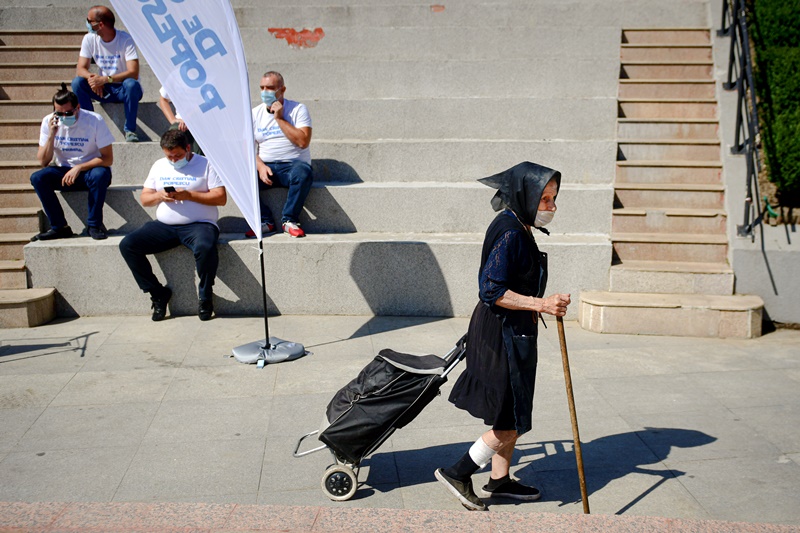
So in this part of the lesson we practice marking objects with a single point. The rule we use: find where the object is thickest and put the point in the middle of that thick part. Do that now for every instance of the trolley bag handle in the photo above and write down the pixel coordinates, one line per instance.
(455, 355)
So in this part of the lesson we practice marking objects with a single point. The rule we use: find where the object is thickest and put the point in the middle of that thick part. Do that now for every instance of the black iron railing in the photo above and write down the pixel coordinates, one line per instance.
(740, 77)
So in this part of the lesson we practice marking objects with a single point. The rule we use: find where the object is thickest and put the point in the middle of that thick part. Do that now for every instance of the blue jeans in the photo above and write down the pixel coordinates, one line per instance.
(156, 237)
(48, 180)
(294, 175)
(129, 92)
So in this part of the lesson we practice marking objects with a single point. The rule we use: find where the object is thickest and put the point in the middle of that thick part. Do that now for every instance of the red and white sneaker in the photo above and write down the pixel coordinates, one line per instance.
(266, 229)
(293, 229)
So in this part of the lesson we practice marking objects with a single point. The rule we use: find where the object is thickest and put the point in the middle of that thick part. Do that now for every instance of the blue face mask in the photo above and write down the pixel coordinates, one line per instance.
(68, 121)
(89, 27)
(179, 164)
(268, 97)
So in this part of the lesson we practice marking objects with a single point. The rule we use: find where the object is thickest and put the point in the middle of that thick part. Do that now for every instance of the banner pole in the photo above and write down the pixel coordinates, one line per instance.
(267, 343)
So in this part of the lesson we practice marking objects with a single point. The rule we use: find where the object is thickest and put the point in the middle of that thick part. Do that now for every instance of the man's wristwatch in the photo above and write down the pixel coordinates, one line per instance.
(111, 79)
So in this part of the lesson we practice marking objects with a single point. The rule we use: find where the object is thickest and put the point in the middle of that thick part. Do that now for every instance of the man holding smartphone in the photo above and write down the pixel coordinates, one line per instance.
(78, 144)
(186, 190)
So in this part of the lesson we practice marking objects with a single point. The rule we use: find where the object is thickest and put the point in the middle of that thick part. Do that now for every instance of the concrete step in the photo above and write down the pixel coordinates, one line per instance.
(63, 70)
(326, 13)
(26, 308)
(42, 37)
(321, 274)
(666, 36)
(20, 220)
(668, 172)
(18, 129)
(30, 89)
(38, 53)
(11, 245)
(13, 275)
(690, 315)
(649, 70)
(17, 172)
(683, 195)
(668, 220)
(637, 88)
(667, 128)
(672, 108)
(413, 160)
(18, 195)
(417, 207)
(665, 52)
(14, 150)
(668, 149)
(672, 277)
(445, 118)
(695, 248)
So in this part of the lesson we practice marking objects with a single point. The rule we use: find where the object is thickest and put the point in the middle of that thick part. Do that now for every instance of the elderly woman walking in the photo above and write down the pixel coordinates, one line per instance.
(498, 382)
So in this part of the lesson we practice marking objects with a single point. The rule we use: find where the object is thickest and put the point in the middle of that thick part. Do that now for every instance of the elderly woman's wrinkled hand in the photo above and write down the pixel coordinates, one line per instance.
(556, 304)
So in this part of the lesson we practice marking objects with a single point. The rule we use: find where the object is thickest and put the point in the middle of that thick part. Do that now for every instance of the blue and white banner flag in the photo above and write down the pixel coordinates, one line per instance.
(196, 52)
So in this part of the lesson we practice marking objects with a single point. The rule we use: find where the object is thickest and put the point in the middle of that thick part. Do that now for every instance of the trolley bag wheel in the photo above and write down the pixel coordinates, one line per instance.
(339, 483)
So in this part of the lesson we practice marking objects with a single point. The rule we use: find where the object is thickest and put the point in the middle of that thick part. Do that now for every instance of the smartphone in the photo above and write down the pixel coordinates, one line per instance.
(169, 188)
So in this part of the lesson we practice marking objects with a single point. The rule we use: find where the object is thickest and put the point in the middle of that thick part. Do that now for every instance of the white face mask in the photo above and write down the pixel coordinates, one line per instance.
(543, 218)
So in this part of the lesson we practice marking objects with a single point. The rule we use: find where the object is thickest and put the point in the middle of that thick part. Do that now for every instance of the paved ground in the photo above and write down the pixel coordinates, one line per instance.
(105, 411)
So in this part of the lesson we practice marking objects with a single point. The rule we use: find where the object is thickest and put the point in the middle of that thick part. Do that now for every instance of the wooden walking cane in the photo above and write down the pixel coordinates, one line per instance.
(576, 437)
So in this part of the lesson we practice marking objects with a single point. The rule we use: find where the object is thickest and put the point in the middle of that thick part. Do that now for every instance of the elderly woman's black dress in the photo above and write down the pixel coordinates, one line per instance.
(498, 383)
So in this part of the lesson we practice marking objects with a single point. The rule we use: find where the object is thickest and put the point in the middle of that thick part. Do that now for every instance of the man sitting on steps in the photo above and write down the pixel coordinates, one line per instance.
(115, 54)
(79, 144)
(282, 130)
(187, 191)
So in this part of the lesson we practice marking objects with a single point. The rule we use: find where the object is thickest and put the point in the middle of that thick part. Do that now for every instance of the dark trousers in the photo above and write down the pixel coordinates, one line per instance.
(155, 237)
(294, 175)
(48, 180)
(128, 93)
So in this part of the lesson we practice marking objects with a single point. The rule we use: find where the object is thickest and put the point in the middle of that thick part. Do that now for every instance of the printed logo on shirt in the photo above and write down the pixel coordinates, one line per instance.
(268, 132)
(70, 144)
(107, 62)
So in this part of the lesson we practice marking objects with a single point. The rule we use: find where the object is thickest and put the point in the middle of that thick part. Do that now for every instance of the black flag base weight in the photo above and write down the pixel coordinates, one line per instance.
(261, 352)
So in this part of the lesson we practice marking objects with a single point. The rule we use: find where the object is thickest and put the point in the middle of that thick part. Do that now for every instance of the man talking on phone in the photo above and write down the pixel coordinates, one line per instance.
(282, 130)
(75, 151)
(187, 191)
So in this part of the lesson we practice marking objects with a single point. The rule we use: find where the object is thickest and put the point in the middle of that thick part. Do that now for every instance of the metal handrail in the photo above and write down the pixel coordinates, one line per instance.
(740, 65)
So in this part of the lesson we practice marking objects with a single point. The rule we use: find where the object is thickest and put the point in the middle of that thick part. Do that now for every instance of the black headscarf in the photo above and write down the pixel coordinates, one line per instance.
(520, 188)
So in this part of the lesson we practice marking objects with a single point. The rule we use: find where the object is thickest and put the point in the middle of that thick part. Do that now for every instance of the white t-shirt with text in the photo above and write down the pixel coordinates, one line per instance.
(78, 143)
(197, 175)
(272, 143)
(111, 57)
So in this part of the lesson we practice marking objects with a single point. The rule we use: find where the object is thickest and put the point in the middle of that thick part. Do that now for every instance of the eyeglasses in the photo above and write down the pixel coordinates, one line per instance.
(65, 113)
(92, 22)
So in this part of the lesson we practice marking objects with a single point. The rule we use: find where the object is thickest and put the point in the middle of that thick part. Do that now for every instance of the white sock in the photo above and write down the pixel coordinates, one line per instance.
(481, 453)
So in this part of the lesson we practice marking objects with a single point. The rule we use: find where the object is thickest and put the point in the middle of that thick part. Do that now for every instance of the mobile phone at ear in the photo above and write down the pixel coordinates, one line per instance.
(169, 188)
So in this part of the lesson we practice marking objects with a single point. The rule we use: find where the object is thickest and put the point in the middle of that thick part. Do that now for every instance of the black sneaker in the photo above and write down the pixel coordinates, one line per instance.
(160, 302)
(98, 233)
(461, 490)
(512, 489)
(54, 233)
(205, 309)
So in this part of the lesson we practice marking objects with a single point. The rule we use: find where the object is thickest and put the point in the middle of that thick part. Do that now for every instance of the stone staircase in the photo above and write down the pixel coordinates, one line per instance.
(670, 274)
(411, 104)
(24, 99)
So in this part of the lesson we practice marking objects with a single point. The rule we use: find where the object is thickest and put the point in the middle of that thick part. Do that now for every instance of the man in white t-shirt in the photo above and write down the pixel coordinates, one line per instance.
(115, 55)
(78, 144)
(175, 120)
(282, 130)
(187, 191)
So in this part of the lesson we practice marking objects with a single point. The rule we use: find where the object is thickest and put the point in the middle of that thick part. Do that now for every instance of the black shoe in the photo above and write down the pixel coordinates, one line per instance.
(205, 310)
(512, 489)
(461, 490)
(98, 233)
(54, 233)
(160, 300)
